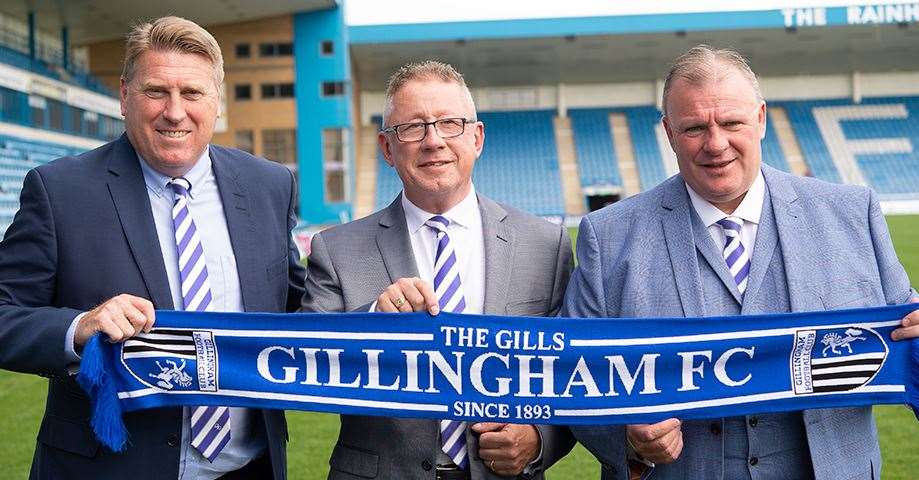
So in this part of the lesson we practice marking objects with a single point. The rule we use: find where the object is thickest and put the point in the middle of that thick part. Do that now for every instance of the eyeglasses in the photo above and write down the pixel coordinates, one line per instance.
(416, 131)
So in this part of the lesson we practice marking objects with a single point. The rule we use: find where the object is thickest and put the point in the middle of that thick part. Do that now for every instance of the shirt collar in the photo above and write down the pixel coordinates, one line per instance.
(157, 182)
(750, 208)
(462, 214)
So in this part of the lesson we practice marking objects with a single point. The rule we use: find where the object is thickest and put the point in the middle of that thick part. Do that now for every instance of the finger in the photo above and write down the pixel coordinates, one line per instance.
(905, 333)
(398, 296)
(483, 427)
(649, 433)
(114, 333)
(414, 300)
(384, 304)
(430, 297)
(146, 309)
(496, 442)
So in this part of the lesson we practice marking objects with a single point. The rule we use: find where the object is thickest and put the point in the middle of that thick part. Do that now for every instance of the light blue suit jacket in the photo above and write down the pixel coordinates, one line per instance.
(640, 258)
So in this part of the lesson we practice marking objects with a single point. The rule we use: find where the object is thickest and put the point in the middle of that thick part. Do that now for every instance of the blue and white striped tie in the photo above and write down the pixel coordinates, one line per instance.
(735, 255)
(210, 426)
(449, 290)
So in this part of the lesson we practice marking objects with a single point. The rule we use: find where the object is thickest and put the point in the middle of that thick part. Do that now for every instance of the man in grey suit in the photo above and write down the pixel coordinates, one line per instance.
(730, 236)
(439, 246)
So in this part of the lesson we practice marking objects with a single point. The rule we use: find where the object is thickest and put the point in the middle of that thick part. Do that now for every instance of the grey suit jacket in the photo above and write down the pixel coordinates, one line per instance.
(527, 266)
(638, 258)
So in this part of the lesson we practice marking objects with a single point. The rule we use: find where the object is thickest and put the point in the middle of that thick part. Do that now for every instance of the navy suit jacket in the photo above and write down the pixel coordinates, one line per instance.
(640, 258)
(84, 233)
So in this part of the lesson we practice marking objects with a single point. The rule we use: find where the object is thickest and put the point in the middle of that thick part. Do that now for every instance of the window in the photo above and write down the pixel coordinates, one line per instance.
(283, 49)
(245, 140)
(243, 91)
(335, 165)
(55, 115)
(243, 50)
(91, 120)
(327, 48)
(332, 89)
(280, 146)
(38, 105)
(277, 90)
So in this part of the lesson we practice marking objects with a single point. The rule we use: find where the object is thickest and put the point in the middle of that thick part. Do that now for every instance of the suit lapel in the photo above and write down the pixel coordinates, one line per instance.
(763, 250)
(129, 194)
(676, 220)
(499, 246)
(241, 228)
(788, 217)
(394, 243)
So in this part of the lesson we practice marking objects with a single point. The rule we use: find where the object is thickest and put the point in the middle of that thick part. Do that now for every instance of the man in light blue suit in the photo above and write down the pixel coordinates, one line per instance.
(730, 236)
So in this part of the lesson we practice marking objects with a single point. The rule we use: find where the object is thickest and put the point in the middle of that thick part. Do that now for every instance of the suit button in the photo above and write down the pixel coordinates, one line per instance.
(753, 461)
(753, 421)
(715, 429)
(172, 440)
(426, 465)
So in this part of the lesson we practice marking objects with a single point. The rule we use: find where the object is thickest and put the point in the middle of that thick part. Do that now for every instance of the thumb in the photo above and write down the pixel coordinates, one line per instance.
(483, 427)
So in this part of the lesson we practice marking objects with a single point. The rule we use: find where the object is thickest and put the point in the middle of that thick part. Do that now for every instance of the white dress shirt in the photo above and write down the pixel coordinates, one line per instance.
(750, 210)
(465, 231)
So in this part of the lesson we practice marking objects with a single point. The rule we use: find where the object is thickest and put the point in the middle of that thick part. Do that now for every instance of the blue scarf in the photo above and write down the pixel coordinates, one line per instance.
(504, 369)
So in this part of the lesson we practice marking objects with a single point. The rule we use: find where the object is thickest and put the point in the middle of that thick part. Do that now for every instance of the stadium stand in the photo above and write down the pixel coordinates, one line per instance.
(17, 157)
(642, 124)
(880, 140)
(597, 162)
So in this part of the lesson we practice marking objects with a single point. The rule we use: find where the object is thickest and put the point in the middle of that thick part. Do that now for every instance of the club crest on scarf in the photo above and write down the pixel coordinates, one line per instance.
(173, 359)
(835, 360)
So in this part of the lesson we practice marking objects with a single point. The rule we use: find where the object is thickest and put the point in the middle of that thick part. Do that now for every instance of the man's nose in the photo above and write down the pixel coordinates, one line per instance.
(174, 110)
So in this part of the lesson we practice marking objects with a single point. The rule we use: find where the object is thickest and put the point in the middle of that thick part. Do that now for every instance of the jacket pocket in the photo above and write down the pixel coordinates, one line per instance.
(537, 307)
(72, 437)
(354, 461)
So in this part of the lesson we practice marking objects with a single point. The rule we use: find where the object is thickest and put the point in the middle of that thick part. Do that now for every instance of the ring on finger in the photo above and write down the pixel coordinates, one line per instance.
(398, 302)
(491, 464)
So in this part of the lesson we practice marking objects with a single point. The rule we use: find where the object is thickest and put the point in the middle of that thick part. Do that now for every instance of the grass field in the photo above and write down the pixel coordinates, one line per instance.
(312, 435)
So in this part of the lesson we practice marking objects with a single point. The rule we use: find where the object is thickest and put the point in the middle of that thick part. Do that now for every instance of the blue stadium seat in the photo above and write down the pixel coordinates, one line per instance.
(593, 142)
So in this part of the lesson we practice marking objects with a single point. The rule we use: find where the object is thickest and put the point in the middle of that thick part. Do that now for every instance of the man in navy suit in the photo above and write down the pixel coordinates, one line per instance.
(93, 249)
(730, 236)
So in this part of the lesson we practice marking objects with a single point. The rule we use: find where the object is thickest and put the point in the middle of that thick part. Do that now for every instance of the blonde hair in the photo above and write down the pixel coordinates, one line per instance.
(171, 34)
(426, 70)
(702, 64)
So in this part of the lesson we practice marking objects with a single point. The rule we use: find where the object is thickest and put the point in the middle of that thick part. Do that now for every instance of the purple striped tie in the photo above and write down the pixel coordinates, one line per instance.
(210, 426)
(449, 290)
(735, 255)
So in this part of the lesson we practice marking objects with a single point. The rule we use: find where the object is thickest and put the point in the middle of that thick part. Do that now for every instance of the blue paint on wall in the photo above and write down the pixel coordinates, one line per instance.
(316, 112)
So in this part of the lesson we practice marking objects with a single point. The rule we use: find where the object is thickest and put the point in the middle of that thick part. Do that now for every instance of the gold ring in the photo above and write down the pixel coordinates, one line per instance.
(398, 302)
(491, 465)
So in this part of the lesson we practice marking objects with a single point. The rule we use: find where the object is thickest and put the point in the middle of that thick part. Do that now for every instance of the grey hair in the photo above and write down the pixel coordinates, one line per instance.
(426, 70)
(701, 64)
(171, 34)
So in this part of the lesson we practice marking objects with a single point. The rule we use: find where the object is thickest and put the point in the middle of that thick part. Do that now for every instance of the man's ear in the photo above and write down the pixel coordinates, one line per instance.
(383, 141)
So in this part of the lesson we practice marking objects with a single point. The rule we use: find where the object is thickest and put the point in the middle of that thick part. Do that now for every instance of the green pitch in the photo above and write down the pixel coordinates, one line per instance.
(312, 435)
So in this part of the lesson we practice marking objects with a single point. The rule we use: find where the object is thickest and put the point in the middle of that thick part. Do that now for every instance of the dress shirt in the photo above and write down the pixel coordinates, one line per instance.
(750, 210)
(465, 231)
(206, 209)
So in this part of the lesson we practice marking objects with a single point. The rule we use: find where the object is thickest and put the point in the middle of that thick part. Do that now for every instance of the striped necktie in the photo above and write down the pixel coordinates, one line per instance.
(735, 255)
(449, 290)
(210, 426)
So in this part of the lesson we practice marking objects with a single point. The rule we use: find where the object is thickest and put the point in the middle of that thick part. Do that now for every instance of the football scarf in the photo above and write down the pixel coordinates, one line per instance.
(564, 371)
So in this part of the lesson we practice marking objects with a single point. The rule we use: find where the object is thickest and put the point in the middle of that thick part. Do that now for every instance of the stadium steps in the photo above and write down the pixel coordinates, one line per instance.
(788, 142)
(366, 171)
(572, 195)
(622, 143)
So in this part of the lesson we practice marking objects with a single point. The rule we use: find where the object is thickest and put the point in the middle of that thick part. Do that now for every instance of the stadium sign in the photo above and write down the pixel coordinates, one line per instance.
(508, 369)
(853, 15)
